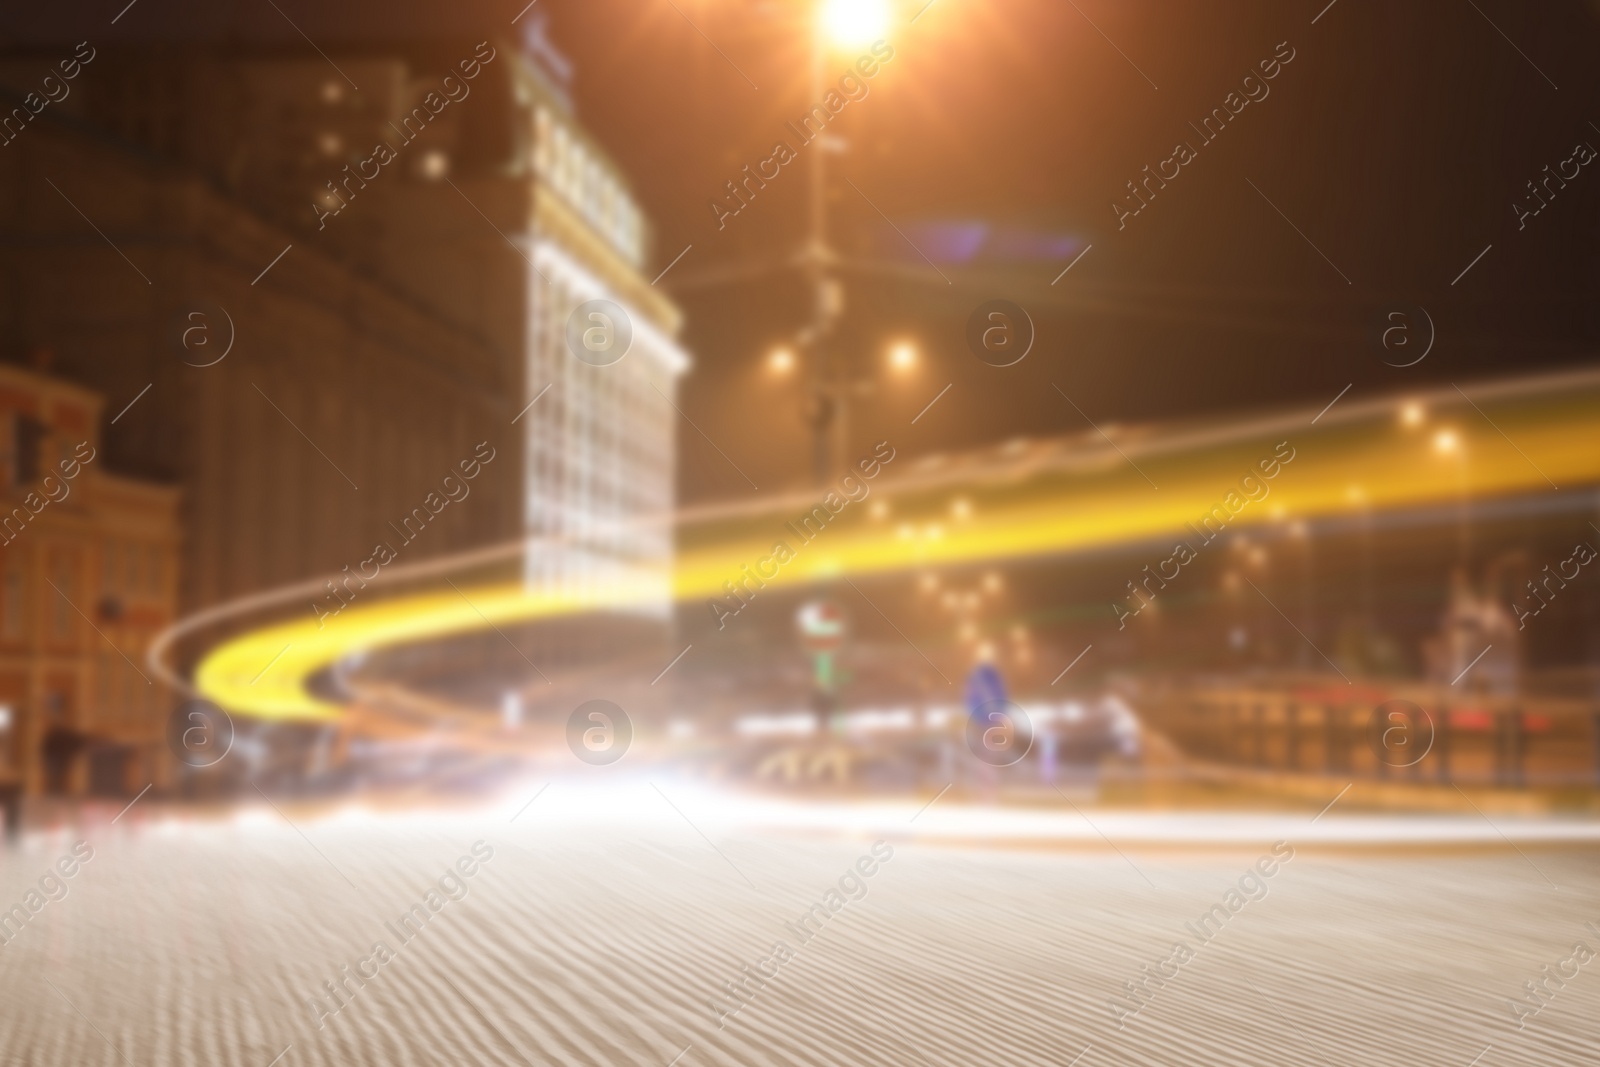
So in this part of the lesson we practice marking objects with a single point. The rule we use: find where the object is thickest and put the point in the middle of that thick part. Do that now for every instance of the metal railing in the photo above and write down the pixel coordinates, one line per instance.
(1384, 731)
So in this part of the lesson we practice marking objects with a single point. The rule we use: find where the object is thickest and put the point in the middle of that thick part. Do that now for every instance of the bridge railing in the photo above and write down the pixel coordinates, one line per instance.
(1399, 733)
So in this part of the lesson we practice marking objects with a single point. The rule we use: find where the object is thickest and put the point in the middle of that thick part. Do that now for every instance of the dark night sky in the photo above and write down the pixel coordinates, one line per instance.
(1397, 140)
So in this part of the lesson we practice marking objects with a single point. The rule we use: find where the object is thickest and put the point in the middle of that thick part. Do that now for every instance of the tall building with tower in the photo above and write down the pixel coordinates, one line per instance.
(601, 457)
(384, 246)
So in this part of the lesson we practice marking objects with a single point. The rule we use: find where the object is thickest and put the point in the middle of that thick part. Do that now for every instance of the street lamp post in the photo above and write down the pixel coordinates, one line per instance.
(1448, 442)
(845, 23)
(828, 407)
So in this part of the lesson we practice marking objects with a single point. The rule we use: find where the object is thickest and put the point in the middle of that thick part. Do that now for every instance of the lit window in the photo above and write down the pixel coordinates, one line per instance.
(62, 618)
(433, 165)
(12, 607)
(559, 153)
(608, 207)
(108, 575)
(592, 191)
(541, 141)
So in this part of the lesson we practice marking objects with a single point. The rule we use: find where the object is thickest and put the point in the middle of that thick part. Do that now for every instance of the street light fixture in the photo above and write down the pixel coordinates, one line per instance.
(831, 389)
(903, 356)
(855, 23)
(834, 26)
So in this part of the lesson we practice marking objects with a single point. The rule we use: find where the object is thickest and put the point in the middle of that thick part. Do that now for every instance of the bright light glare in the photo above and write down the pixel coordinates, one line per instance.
(582, 802)
(799, 724)
(855, 23)
(781, 361)
(1412, 414)
(903, 356)
(434, 165)
(1445, 442)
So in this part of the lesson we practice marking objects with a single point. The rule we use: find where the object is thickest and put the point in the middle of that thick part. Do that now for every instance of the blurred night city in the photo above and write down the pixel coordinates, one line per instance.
(797, 533)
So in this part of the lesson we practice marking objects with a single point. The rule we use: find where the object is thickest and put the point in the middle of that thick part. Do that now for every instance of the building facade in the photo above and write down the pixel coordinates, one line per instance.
(601, 457)
(89, 563)
(305, 303)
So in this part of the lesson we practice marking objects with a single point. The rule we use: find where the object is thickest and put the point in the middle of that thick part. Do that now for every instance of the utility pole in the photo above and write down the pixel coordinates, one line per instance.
(827, 412)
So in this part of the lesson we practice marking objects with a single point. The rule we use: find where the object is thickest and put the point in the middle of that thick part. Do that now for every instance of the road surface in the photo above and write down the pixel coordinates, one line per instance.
(611, 943)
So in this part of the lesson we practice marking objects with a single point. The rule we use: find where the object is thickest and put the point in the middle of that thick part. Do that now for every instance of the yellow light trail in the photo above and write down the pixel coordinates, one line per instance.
(1054, 499)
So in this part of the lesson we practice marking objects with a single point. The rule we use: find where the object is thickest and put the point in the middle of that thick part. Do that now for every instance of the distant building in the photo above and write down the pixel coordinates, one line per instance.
(601, 458)
(393, 267)
(88, 576)
(343, 399)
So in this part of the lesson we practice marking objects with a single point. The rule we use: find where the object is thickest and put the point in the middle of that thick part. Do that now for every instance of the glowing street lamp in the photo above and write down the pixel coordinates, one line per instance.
(836, 29)
(831, 392)
(1448, 443)
(855, 23)
(836, 26)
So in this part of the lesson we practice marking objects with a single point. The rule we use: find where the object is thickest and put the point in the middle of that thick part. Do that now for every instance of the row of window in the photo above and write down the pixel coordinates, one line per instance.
(123, 696)
(562, 160)
(600, 459)
(122, 692)
(11, 608)
(30, 450)
(130, 572)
